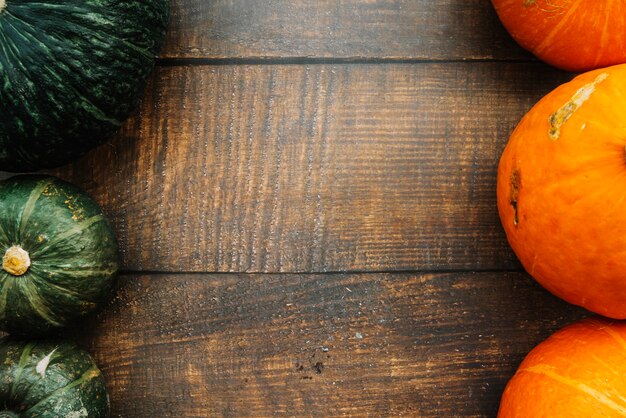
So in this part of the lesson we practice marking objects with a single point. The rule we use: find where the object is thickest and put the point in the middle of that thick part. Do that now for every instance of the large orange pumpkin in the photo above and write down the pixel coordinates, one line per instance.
(577, 372)
(575, 35)
(562, 191)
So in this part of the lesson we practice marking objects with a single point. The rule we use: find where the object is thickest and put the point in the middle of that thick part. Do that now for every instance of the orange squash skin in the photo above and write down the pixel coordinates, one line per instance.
(577, 372)
(575, 35)
(561, 191)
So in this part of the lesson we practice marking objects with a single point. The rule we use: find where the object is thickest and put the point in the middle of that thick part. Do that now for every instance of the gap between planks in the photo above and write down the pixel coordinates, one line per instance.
(174, 62)
(315, 273)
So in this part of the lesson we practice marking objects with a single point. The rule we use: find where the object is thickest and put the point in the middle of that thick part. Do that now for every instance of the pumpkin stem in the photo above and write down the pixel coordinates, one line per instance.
(3, 5)
(15, 261)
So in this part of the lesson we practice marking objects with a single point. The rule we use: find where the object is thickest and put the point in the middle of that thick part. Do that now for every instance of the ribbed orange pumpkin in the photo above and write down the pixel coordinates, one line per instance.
(562, 191)
(575, 35)
(577, 372)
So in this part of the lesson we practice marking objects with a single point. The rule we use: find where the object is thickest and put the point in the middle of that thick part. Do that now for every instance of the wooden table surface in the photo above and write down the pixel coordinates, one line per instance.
(305, 201)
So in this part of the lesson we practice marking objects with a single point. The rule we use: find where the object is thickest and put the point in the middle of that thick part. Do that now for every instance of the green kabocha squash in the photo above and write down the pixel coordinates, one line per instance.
(59, 257)
(71, 71)
(49, 379)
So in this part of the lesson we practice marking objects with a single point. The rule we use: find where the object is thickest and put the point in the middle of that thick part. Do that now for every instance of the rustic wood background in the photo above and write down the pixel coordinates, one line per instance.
(305, 201)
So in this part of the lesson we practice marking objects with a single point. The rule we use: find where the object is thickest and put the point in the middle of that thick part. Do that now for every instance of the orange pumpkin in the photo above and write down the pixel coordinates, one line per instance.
(577, 372)
(575, 35)
(562, 191)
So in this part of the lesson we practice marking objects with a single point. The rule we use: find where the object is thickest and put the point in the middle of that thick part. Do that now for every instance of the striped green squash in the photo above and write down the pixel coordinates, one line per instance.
(50, 379)
(59, 255)
(71, 71)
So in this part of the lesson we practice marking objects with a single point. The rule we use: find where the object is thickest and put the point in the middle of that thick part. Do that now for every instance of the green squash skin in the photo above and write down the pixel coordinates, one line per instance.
(71, 72)
(73, 253)
(70, 385)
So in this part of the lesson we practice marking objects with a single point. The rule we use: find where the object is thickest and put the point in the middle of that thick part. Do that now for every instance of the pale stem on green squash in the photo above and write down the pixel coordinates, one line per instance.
(3, 5)
(16, 261)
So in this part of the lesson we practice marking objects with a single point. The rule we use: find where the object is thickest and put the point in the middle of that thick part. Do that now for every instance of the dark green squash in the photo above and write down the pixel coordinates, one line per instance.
(71, 71)
(59, 255)
(50, 379)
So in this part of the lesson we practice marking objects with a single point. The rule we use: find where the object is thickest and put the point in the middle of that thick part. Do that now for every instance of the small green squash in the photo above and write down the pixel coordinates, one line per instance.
(59, 255)
(50, 379)
(71, 71)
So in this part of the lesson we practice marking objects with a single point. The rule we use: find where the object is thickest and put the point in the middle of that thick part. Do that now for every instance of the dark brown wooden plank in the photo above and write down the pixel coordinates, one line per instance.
(314, 168)
(353, 29)
(318, 345)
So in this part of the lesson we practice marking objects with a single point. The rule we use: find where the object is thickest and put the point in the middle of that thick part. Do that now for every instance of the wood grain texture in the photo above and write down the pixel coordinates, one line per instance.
(347, 29)
(318, 345)
(314, 168)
